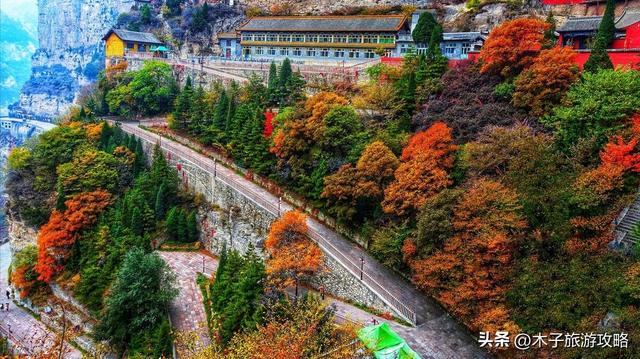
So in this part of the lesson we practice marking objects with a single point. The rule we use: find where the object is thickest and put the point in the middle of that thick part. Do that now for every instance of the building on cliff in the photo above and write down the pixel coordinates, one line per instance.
(336, 38)
(122, 43)
(578, 33)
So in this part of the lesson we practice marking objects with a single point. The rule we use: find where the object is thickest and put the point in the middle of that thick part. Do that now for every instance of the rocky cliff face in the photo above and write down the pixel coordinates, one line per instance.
(70, 55)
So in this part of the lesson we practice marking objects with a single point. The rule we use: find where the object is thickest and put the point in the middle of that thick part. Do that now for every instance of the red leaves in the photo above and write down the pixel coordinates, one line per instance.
(470, 274)
(427, 158)
(512, 46)
(58, 235)
(268, 124)
(620, 153)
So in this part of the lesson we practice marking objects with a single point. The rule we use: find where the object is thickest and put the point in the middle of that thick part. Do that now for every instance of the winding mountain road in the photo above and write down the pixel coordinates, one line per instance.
(436, 334)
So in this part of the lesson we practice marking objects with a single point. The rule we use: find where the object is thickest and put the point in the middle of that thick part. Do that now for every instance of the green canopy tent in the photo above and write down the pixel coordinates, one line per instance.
(385, 343)
(159, 49)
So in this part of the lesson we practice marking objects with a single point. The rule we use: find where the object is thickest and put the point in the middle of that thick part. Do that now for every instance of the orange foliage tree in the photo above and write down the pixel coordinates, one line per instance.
(469, 275)
(295, 132)
(512, 46)
(350, 186)
(427, 158)
(23, 275)
(57, 237)
(620, 153)
(543, 85)
(292, 254)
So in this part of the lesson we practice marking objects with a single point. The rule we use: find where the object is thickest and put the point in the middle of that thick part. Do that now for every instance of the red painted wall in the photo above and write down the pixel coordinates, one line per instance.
(621, 58)
(632, 38)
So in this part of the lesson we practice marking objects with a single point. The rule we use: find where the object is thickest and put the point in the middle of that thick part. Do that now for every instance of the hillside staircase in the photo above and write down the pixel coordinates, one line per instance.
(628, 219)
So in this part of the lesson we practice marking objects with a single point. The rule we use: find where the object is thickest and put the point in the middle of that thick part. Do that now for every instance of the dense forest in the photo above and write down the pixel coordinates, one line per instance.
(491, 185)
(100, 209)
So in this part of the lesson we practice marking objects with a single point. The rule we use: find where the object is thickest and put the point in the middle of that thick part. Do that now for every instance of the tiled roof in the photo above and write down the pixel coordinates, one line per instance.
(134, 36)
(358, 23)
(591, 23)
(628, 18)
(227, 35)
(470, 36)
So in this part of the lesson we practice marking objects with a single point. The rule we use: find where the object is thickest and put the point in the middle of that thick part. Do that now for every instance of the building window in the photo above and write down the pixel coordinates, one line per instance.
(466, 47)
(297, 52)
(284, 51)
(272, 37)
(355, 39)
(247, 37)
(340, 38)
(324, 53)
(370, 39)
(354, 54)
(285, 38)
(369, 54)
(259, 51)
(450, 49)
(387, 39)
(311, 52)
(324, 38)
(271, 51)
(297, 38)
(130, 45)
(311, 38)
(338, 53)
(142, 48)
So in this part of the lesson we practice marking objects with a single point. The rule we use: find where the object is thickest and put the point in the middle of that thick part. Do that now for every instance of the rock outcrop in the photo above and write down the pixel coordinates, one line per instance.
(70, 54)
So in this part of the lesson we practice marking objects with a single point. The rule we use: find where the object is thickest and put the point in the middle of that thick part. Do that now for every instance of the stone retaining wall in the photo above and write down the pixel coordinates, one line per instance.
(233, 220)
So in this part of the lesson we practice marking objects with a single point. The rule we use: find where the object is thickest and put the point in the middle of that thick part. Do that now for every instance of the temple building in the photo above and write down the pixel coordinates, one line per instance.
(336, 38)
(323, 37)
(578, 32)
(121, 43)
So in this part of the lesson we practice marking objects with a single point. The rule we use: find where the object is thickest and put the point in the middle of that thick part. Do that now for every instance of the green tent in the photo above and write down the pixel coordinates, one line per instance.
(385, 343)
(159, 49)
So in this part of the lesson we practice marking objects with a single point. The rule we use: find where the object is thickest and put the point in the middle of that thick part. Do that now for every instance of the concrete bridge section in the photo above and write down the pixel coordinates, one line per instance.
(352, 273)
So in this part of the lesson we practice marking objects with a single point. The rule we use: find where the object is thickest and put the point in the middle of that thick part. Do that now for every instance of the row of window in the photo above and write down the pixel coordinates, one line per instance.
(309, 52)
(321, 38)
(141, 47)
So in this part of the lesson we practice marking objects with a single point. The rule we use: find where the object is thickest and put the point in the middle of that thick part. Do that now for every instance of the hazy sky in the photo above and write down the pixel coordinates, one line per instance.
(25, 11)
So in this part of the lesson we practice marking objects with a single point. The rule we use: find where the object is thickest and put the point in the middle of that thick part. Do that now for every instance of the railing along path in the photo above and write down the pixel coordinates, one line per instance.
(226, 176)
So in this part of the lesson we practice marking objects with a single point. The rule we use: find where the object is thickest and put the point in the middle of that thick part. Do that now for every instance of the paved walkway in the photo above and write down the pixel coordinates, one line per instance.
(187, 310)
(443, 333)
(31, 335)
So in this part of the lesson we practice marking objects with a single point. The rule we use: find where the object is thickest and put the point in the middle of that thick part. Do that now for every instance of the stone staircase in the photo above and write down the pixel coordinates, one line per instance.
(624, 239)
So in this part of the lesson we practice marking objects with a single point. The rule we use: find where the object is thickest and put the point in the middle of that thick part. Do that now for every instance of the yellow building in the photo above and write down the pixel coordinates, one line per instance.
(120, 43)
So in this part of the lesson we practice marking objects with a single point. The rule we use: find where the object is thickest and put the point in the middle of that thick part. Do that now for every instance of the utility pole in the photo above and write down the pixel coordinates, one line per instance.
(361, 267)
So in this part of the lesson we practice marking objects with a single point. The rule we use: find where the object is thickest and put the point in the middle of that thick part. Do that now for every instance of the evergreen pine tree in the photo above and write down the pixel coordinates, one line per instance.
(137, 226)
(220, 115)
(172, 224)
(140, 157)
(599, 58)
(284, 78)
(182, 106)
(192, 227)
(422, 32)
(105, 135)
(272, 84)
(160, 206)
(197, 117)
(182, 234)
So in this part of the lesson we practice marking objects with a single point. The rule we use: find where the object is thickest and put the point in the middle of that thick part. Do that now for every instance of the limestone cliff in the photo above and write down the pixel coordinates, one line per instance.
(70, 55)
